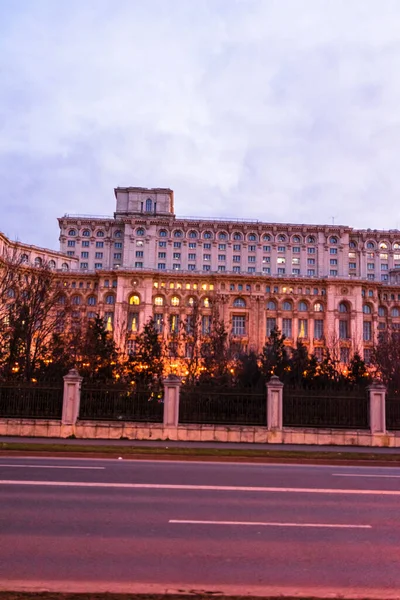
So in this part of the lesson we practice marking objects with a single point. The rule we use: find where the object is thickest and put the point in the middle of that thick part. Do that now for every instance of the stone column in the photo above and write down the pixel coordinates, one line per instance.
(172, 386)
(377, 407)
(71, 397)
(274, 404)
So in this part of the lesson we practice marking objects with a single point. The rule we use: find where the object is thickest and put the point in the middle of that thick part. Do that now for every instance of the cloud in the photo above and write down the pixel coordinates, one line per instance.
(275, 110)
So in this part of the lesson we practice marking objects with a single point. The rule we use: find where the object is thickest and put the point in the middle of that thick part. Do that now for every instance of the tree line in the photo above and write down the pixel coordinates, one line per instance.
(42, 337)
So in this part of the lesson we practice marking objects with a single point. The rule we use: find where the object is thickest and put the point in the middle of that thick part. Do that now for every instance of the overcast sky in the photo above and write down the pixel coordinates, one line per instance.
(278, 110)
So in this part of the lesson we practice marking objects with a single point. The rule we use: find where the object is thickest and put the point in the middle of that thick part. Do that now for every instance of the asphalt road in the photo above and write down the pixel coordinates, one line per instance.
(111, 525)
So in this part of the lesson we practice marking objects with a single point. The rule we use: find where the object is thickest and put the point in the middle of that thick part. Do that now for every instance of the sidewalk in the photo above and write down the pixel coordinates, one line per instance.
(216, 445)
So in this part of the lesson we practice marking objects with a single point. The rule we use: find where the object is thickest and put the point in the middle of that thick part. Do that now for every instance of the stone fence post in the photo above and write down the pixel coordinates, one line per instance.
(172, 385)
(377, 407)
(275, 404)
(71, 397)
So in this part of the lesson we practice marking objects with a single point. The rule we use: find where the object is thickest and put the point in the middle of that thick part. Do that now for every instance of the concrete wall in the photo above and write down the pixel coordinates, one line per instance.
(204, 433)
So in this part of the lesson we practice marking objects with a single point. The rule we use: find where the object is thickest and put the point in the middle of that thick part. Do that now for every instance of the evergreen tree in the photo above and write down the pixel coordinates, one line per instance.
(274, 356)
(358, 372)
(303, 366)
(146, 365)
(98, 359)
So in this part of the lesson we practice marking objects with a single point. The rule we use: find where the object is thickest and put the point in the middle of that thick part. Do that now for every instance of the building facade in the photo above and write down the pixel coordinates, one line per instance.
(325, 284)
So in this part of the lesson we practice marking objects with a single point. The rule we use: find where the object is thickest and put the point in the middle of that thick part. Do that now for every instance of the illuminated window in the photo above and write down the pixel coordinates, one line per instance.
(174, 301)
(318, 307)
(134, 300)
(159, 301)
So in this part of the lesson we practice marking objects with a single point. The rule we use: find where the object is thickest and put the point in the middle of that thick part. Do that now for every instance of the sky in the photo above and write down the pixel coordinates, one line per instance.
(277, 110)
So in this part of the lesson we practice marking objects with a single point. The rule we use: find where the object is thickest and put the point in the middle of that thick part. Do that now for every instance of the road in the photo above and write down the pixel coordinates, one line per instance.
(114, 525)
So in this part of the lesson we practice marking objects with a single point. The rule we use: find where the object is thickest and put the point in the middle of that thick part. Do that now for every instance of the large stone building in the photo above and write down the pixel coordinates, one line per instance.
(325, 284)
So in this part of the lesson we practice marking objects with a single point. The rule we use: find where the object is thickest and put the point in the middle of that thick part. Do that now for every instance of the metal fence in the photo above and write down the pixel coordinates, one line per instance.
(112, 403)
(223, 406)
(330, 409)
(28, 401)
(393, 411)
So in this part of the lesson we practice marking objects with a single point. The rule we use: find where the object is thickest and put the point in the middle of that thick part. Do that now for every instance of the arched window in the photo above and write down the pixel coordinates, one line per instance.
(239, 303)
(62, 300)
(383, 246)
(252, 237)
(266, 237)
(64, 267)
(92, 301)
(38, 262)
(149, 205)
(52, 264)
(367, 309)
(271, 305)
(352, 244)
(24, 258)
(175, 301)
(110, 299)
(159, 301)
(10, 293)
(118, 234)
(86, 233)
(396, 246)
(100, 233)
(192, 234)
(76, 300)
(287, 305)
(370, 245)
(134, 300)
(343, 307)
(281, 237)
(382, 311)
(206, 302)
(140, 231)
(222, 235)
(72, 232)
(318, 307)
(333, 240)
(207, 235)
(237, 235)
(296, 239)
(191, 301)
(395, 312)
(311, 239)
(163, 233)
(178, 233)
(303, 306)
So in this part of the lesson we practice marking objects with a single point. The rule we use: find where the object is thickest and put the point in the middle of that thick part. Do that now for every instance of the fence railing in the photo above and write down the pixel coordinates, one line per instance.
(393, 412)
(102, 403)
(222, 406)
(329, 409)
(22, 400)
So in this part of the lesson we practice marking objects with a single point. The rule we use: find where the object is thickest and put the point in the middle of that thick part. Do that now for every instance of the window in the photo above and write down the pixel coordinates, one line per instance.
(333, 261)
(161, 266)
(311, 261)
(84, 254)
(86, 233)
(193, 234)
(395, 312)
(149, 205)
(287, 327)
(140, 231)
(133, 322)
(69, 253)
(266, 270)
(221, 256)
(333, 273)
(72, 232)
(287, 305)
(311, 250)
(384, 267)
(138, 265)
(118, 234)
(162, 255)
(370, 245)
(237, 236)
(191, 267)
(206, 256)
(99, 244)
(333, 240)
(85, 244)
(176, 256)
(352, 265)
(92, 301)
(383, 246)
(303, 306)
(238, 325)
(382, 311)
(207, 303)
(343, 330)
(281, 271)
(163, 233)
(98, 255)
(281, 238)
(367, 355)
(135, 300)
(303, 328)
(207, 235)
(367, 331)
(343, 308)
(236, 258)
(281, 249)
(177, 244)
(311, 239)
(221, 246)
(71, 243)
(236, 269)
(236, 247)
(76, 300)
(158, 322)
(266, 237)
(252, 237)
(296, 249)
(205, 324)
(110, 299)
(296, 239)
(222, 236)
(139, 254)
(251, 259)
(266, 259)
(100, 233)
(367, 309)
(271, 325)
(310, 272)
(206, 268)
(344, 355)
(265, 248)
(140, 243)
(117, 255)
(318, 307)
(175, 301)
(239, 303)
(159, 301)
(191, 256)
(64, 267)
(281, 260)
(318, 329)
(176, 266)
(192, 245)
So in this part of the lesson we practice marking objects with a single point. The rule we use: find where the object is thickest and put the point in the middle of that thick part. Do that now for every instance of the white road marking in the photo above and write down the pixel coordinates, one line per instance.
(270, 524)
(49, 467)
(205, 488)
(364, 475)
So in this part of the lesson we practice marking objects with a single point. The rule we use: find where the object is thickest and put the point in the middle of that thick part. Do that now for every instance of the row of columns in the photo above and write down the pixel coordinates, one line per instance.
(172, 384)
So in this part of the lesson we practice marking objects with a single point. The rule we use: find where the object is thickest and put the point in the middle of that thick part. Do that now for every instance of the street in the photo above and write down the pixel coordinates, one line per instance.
(115, 525)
